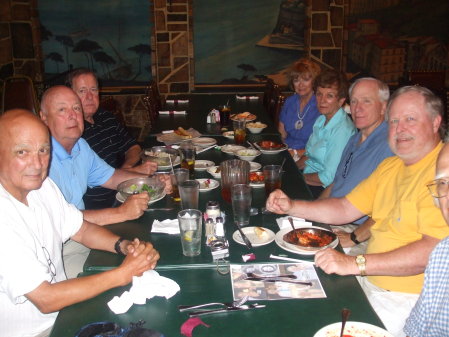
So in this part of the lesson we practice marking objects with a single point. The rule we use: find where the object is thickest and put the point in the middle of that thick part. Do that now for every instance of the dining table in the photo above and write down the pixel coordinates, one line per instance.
(199, 278)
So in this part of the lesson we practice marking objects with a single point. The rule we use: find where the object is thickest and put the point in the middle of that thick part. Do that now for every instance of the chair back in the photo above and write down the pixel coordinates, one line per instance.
(152, 101)
(19, 93)
(279, 101)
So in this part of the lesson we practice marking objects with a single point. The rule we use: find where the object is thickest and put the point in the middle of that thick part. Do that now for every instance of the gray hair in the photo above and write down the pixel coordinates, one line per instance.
(78, 72)
(433, 103)
(384, 91)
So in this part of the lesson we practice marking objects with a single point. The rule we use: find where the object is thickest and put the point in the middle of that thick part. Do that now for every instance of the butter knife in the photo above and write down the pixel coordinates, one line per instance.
(229, 309)
(277, 280)
(244, 238)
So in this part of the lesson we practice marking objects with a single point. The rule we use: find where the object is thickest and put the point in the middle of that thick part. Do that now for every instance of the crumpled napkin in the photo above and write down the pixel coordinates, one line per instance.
(297, 222)
(172, 101)
(167, 226)
(247, 97)
(172, 112)
(144, 287)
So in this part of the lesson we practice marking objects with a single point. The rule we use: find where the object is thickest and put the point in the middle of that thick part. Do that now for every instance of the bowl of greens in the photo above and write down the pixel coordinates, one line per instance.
(152, 185)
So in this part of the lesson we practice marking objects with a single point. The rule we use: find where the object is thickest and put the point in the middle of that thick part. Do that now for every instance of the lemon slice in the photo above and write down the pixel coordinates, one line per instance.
(188, 236)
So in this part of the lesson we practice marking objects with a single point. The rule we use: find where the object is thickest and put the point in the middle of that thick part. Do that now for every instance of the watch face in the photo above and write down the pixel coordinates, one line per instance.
(360, 259)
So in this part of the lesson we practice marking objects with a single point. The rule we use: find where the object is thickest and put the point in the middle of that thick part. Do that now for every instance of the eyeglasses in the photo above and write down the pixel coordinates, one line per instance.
(51, 266)
(347, 165)
(439, 188)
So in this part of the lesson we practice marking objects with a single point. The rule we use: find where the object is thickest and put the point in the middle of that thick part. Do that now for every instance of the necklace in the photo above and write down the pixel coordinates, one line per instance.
(299, 123)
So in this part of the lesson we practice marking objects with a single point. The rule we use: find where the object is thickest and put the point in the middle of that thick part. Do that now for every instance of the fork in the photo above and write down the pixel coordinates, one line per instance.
(234, 304)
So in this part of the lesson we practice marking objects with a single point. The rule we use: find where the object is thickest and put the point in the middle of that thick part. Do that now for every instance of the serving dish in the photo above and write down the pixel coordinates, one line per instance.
(204, 141)
(270, 147)
(256, 127)
(160, 155)
(247, 154)
(256, 179)
(231, 148)
(296, 249)
(309, 238)
(153, 185)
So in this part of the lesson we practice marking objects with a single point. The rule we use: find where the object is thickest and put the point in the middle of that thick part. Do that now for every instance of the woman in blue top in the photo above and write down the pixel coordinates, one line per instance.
(331, 132)
(300, 110)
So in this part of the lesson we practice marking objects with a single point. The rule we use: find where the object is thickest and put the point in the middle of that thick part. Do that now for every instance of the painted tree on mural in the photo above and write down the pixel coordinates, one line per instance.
(141, 50)
(67, 43)
(246, 69)
(105, 60)
(55, 57)
(88, 47)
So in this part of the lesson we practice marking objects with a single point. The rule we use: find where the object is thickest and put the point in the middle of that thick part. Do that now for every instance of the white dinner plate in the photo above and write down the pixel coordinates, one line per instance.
(213, 184)
(229, 134)
(272, 151)
(280, 242)
(253, 238)
(167, 167)
(202, 165)
(231, 148)
(211, 170)
(358, 329)
(204, 141)
(253, 166)
(120, 198)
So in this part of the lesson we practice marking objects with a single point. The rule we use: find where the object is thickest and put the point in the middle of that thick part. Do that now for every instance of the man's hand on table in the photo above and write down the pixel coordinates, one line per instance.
(140, 257)
(135, 205)
(333, 262)
(278, 202)
(344, 238)
(148, 168)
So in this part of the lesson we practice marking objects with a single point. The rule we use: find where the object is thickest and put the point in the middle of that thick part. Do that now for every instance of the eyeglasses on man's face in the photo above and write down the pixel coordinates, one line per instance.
(439, 188)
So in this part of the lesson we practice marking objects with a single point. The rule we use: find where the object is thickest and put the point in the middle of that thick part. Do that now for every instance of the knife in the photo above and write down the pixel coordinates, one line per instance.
(277, 280)
(229, 309)
(244, 237)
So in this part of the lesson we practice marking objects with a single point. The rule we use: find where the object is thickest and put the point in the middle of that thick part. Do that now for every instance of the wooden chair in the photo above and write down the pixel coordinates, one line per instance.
(19, 93)
(279, 101)
(152, 101)
(268, 93)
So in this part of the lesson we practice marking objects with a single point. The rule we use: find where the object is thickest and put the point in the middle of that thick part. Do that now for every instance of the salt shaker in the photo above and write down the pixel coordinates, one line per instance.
(213, 209)
(219, 228)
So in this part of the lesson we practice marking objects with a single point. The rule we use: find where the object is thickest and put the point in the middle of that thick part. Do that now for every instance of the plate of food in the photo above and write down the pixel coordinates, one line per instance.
(204, 141)
(244, 115)
(256, 179)
(300, 249)
(207, 184)
(253, 166)
(152, 185)
(255, 127)
(203, 165)
(352, 329)
(270, 147)
(167, 167)
(231, 148)
(214, 171)
(258, 236)
(228, 134)
(177, 136)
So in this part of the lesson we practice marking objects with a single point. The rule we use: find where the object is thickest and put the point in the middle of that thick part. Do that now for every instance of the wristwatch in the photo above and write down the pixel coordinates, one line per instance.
(117, 246)
(354, 238)
(361, 263)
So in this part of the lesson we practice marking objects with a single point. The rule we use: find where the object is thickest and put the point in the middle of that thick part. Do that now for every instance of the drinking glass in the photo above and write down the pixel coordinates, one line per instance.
(187, 153)
(189, 191)
(241, 203)
(233, 172)
(273, 176)
(190, 227)
(225, 112)
(178, 176)
(239, 131)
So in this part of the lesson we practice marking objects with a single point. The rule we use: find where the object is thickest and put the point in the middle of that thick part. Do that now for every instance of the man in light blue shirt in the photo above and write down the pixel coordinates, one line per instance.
(364, 151)
(74, 166)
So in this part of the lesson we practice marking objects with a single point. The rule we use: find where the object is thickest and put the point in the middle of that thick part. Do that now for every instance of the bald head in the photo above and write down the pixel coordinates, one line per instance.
(25, 152)
(61, 111)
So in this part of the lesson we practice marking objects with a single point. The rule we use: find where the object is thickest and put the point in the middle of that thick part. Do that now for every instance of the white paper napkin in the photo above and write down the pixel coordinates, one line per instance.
(167, 226)
(297, 222)
(144, 287)
(177, 101)
(247, 97)
(172, 112)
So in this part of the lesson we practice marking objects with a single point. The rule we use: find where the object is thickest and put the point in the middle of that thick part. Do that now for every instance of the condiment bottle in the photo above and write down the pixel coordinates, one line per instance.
(219, 228)
(213, 209)
(210, 231)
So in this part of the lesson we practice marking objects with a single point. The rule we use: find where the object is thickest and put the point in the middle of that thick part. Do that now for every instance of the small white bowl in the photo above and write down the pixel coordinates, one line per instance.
(247, 154)
(212, 171)
(255, 127)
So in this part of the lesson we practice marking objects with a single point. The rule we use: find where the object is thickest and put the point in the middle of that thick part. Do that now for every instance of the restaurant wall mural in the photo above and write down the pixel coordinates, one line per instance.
(111, 37)
(244, 41)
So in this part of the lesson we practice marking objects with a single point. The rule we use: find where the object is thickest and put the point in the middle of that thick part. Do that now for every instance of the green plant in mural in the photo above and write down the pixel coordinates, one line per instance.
(67, 42)
(141, 50)
(55, 57)
(88, 47)
(105, 60)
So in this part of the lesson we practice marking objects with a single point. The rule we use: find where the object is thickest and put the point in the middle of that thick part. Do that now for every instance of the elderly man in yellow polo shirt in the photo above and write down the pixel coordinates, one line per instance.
(407, 223)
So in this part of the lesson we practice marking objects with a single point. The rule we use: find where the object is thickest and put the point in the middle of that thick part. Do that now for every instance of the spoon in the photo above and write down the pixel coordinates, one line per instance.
(344, 317)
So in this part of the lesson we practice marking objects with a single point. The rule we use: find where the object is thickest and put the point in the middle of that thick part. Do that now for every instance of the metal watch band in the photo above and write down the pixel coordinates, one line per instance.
(117, 246)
